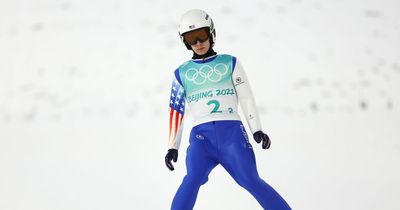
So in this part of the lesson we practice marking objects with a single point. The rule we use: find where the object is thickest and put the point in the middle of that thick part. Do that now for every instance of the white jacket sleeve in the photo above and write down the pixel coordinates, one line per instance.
(246, 98)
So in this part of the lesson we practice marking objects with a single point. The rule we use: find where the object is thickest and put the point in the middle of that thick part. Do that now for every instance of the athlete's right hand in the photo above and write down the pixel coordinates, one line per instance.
(171, 155)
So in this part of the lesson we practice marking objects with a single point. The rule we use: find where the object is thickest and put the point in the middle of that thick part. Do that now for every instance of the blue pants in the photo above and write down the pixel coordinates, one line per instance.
(225, 143)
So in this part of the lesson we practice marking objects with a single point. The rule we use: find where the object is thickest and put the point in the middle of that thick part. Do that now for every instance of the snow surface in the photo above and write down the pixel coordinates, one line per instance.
(84, 89)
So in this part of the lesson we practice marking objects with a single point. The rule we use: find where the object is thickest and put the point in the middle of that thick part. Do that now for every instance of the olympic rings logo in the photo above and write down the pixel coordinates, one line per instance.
(206, 73)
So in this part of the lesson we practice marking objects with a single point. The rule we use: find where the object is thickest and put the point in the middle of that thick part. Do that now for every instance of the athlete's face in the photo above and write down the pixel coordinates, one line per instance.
(201, 48)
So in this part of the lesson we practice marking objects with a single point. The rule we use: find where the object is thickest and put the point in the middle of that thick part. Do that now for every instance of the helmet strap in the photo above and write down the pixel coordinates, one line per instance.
(209, 53)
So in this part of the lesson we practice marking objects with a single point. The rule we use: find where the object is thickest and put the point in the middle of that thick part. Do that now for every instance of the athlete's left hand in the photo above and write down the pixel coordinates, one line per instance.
(261, 136)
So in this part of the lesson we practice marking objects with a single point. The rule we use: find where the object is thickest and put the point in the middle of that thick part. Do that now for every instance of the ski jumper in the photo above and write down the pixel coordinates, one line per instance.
(212, 88)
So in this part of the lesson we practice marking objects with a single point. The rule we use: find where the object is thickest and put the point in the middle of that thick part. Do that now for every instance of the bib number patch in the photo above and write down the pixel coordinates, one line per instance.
(216, 106)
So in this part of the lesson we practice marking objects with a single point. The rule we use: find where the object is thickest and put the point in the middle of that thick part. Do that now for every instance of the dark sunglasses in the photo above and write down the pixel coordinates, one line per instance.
(191, 37)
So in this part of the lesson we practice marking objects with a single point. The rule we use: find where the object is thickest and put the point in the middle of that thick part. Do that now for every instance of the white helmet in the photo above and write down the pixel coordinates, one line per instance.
(195, 19)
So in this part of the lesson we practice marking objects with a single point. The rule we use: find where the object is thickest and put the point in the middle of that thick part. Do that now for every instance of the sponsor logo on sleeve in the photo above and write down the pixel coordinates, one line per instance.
(238, 81)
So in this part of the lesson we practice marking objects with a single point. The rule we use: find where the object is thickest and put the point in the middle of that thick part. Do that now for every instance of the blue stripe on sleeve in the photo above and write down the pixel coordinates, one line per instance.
(233, 63)
(177, 76)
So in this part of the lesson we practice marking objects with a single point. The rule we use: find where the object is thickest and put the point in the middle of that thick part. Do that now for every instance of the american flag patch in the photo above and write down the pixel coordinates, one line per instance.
(176, 110)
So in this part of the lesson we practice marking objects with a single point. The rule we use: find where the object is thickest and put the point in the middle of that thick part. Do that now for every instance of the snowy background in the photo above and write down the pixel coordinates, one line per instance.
(84, 90)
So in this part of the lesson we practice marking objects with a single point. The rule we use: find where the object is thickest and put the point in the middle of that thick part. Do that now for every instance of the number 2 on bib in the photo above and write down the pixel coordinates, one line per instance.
(216, 107)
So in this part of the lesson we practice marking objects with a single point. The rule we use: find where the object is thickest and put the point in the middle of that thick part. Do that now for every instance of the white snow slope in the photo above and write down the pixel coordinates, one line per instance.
(84, 90)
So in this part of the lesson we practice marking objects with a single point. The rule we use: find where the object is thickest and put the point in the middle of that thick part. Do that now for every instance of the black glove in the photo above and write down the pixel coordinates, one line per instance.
(260, 136)
(171, 155)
